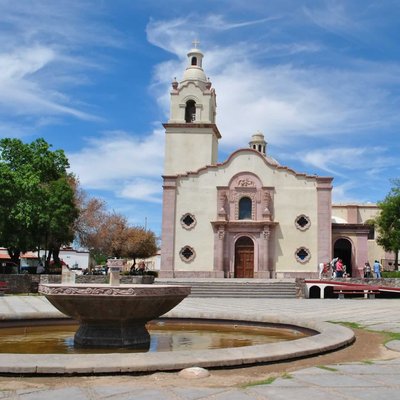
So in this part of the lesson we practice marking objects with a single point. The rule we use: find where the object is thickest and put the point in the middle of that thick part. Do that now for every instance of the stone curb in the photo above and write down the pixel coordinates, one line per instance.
(330, 337)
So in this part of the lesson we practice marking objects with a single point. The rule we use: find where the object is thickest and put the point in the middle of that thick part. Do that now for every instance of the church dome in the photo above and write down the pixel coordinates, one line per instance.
(258, 143)
(257, 137)
(194, 70)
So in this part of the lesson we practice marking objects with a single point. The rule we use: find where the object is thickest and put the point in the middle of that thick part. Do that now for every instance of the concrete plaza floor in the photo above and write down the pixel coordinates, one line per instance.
(372, 380)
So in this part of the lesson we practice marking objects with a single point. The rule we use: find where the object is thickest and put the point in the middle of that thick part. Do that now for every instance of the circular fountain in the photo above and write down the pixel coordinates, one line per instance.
(113, 315)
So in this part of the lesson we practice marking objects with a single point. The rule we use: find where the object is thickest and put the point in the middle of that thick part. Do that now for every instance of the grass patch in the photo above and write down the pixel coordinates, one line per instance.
(390, 336)
(352, 325)
(327, 368)
(391, 274)
(266, 381)
(368, 362)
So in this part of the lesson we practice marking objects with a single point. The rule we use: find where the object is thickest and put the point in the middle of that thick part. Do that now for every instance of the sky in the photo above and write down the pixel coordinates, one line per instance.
(320, 79)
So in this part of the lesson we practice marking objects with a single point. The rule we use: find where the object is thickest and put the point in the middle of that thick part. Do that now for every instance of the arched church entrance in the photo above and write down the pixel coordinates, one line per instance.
(343, 250)
(244, 258)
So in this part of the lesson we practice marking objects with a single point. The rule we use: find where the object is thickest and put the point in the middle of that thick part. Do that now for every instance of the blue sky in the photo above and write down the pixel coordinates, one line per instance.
(320, 79)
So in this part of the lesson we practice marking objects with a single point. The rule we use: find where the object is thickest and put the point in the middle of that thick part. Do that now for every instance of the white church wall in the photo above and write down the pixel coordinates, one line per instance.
(197, 195)
(295, 196)
(186, 152)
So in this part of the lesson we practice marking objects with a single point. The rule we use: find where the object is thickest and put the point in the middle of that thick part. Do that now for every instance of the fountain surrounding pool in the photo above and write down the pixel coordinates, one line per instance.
(327, 337)
(166, 335)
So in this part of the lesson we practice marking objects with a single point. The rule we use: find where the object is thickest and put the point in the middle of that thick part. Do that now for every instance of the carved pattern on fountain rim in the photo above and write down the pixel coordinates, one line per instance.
(114, 291)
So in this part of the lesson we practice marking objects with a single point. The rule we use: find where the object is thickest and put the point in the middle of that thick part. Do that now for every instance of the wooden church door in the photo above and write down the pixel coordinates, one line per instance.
(244, 258)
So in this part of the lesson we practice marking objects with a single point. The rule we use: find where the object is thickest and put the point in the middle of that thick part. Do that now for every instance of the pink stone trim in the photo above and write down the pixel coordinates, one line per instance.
(324, 219)
(168, 224)
(320, 179)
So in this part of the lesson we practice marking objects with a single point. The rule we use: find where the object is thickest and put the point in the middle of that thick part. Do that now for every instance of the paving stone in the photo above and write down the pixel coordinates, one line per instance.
(393, 345)
(298, 393)
(68, 393)
(237, 395)
(109, 391)
(373, 394)
(196, 393)
(337, 380)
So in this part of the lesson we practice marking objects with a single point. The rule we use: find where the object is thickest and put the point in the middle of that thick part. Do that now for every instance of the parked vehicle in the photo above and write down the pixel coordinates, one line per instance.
(8, 267)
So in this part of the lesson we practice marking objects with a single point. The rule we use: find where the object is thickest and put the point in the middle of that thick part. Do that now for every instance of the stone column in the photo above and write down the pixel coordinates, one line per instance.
(168, 227)
(219, 249)
(263, 255)
(324, 208)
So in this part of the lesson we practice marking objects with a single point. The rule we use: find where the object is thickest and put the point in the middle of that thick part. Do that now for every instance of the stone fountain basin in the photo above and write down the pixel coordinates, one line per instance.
(91, 302)
(113, 316)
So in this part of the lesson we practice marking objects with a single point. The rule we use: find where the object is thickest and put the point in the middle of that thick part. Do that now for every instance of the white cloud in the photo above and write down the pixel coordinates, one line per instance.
(126, 165)
(142, 189)
(340, 193)
(40, 58)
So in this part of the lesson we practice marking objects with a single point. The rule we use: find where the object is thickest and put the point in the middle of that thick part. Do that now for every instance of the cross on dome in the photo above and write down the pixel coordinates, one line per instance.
(195, 43)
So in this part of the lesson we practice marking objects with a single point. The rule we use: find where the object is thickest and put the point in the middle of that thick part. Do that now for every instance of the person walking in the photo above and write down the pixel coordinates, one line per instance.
(377, 269)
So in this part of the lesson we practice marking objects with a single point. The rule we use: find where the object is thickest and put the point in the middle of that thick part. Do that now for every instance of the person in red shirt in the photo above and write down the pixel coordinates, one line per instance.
(339, 269)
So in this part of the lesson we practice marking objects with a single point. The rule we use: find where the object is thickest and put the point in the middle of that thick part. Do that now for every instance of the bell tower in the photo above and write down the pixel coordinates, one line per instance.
(191, 135)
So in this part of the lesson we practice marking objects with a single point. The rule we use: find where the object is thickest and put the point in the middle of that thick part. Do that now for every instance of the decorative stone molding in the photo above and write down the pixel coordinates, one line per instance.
(238, 196)
(188, 221)
(187, 254)
(246, 182)
(221, 232)
(104, 290)
(266, 232)
(302, 255)
(302, 222)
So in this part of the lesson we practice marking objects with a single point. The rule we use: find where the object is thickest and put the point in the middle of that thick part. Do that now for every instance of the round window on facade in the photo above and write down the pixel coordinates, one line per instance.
(187, 254)
(188, 221)
(302, 222)
(302, 255)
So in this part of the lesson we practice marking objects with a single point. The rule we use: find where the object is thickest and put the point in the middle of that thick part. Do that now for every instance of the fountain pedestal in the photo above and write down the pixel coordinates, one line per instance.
(113, 316)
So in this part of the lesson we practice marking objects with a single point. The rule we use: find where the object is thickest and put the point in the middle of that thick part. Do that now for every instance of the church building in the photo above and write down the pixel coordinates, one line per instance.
(249, 216)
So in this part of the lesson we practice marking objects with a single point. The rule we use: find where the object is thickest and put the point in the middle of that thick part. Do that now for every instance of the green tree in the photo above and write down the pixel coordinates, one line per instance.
(37, 205)
(388, 221)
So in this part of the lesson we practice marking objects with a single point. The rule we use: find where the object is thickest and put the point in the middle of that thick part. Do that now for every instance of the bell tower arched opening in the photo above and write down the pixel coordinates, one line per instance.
(190, 111)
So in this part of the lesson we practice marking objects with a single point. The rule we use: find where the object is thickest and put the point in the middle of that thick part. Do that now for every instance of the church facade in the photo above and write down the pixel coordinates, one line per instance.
(247, 217)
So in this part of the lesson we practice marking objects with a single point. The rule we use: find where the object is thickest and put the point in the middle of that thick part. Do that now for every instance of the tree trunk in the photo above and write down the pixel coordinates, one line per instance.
(56, 256)
(15, 256)
(48, 258)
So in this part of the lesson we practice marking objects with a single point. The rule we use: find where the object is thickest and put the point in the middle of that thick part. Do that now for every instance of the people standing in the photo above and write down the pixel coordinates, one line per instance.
(377, 269)
(333, 266)
(367, 270)
(339, 268)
